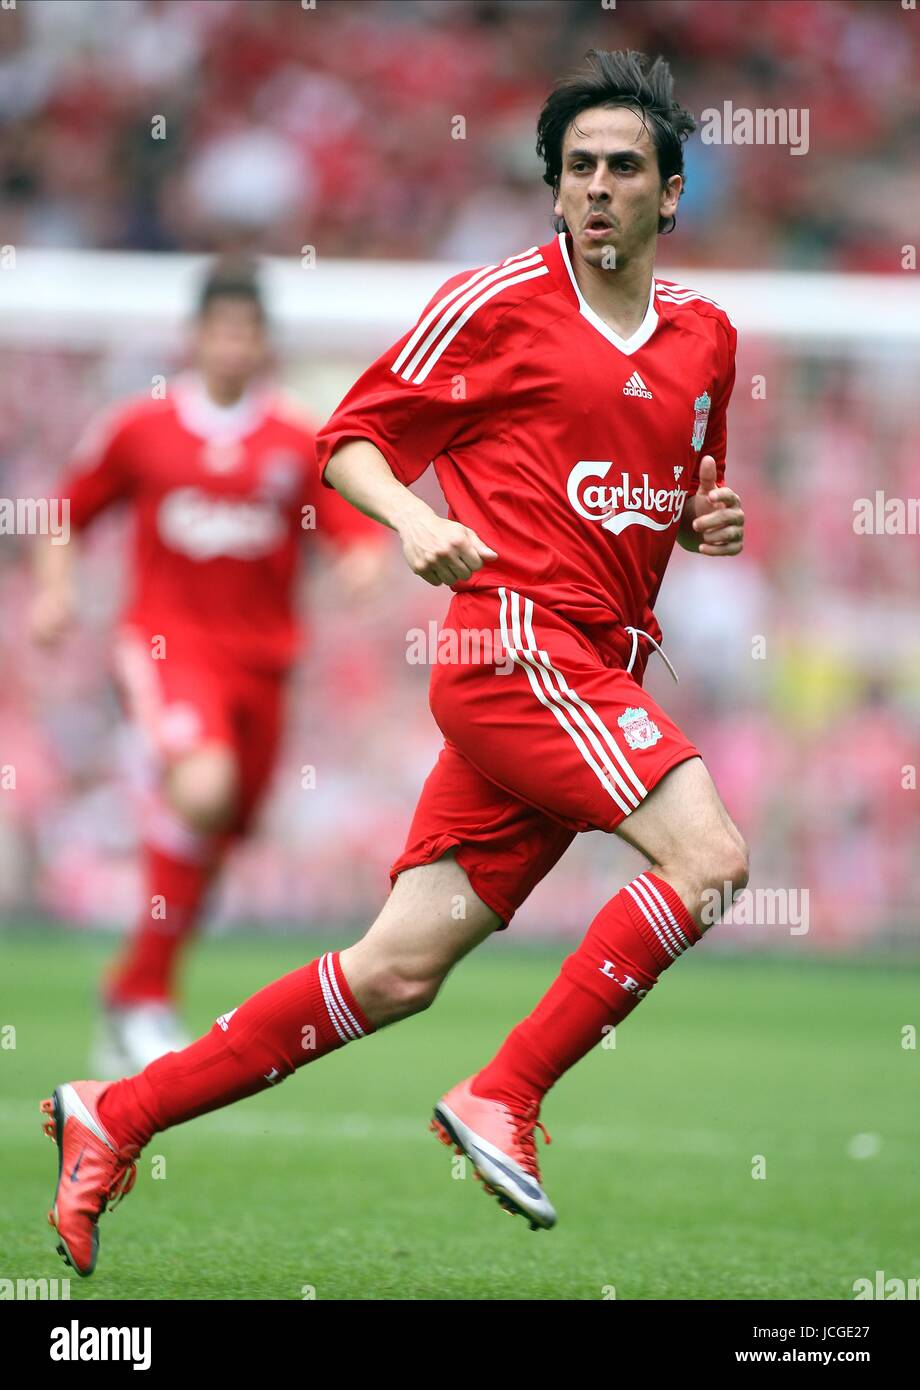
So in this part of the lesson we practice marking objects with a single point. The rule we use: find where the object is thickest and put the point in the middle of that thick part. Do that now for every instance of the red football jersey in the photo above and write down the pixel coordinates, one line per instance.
(222, 498)
(568, 449)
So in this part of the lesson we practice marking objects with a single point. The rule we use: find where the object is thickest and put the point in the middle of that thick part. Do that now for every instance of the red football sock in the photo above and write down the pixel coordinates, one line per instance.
(631, 941)
(290, 1022)
(175, 890)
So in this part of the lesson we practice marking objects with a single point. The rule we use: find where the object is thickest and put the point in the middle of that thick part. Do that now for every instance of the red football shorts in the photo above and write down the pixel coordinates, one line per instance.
(543, 738)
(194, 695)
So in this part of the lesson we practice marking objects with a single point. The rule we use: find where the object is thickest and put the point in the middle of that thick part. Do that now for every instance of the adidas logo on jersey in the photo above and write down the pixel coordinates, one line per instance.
(635, 386)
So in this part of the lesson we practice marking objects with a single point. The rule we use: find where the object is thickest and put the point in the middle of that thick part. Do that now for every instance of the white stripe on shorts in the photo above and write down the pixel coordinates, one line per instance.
(554, 694)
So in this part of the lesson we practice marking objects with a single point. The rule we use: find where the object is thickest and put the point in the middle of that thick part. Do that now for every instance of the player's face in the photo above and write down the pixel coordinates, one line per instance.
(610, 191)
(230, 346)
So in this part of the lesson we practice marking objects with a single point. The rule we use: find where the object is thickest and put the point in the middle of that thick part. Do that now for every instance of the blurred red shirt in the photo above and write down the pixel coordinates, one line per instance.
(222, 500)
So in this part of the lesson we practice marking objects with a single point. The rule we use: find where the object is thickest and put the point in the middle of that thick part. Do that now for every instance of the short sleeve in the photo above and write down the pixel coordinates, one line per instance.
(431, 390)
(99, 472)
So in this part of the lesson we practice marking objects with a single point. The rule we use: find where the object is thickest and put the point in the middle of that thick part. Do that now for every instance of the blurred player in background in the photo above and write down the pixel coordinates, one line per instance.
(575, 408)
(220, 479)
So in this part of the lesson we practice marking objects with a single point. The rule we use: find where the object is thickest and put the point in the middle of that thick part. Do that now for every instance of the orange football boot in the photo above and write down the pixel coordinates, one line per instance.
(498, 1139)
(92, 1171)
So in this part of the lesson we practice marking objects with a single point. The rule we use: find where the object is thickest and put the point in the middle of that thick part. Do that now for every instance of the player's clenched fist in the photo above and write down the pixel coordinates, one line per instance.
(442, 551)
(718, 519)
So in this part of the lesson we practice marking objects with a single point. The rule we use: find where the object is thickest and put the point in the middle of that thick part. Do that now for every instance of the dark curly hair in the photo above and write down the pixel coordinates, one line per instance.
(621, 78)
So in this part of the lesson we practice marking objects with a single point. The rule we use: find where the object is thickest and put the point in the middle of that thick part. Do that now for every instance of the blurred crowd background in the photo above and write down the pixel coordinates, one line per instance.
(280, 119)
(285, 126)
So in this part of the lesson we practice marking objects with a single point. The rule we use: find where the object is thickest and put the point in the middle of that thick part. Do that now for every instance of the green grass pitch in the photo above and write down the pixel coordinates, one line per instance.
(332, 1183)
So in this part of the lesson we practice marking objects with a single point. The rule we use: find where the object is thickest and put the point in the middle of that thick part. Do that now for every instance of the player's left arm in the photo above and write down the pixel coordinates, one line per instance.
(712, 522)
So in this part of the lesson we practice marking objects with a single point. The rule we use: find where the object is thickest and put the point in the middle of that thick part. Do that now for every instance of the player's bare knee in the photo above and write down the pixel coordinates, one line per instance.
(202, 790)
(715, 863)
(725, 865)
(203, 811)
(415, 994)
(400, 994)
(743, 866)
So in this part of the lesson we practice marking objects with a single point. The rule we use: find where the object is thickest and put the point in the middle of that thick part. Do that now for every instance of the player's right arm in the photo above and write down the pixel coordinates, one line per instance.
(440, 551)
(98, 475)
(434, 391)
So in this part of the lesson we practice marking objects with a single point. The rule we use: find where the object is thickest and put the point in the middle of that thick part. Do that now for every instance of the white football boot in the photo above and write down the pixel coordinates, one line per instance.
(131, 1036)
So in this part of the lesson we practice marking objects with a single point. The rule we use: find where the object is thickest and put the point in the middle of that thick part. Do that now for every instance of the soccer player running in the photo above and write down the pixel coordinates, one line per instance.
(220, 479)
(574, 408)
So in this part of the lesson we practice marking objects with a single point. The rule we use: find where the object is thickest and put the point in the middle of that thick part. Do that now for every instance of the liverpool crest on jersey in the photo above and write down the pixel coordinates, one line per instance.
(638, 729)
(700, 420)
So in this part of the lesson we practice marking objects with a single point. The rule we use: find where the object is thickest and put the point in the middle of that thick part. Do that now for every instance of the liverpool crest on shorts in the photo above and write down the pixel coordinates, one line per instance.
(700, 420)
(638, 730)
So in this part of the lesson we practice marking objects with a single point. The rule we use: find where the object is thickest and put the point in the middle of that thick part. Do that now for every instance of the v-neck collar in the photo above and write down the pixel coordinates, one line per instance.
(626, 345)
